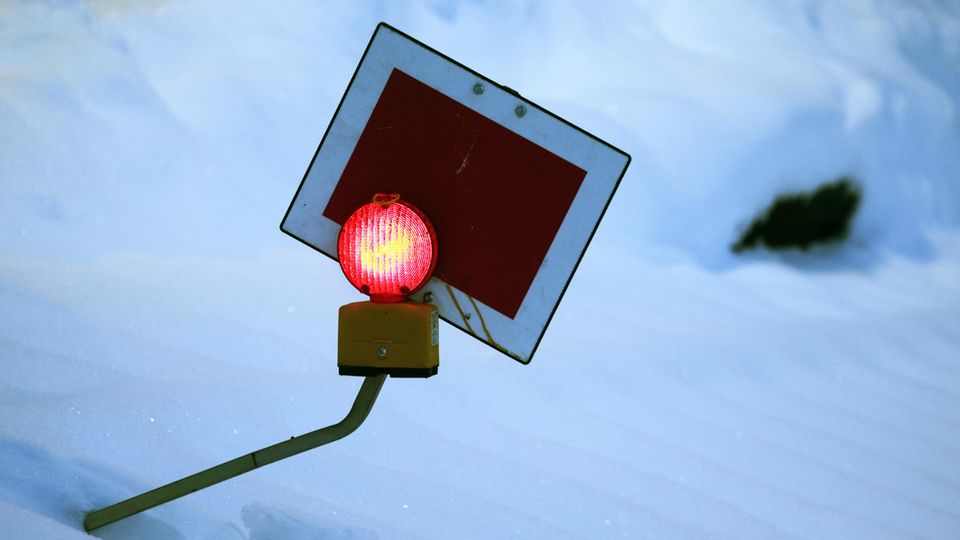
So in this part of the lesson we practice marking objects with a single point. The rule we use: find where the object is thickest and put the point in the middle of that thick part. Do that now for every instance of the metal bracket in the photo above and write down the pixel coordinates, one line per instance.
(358, 413)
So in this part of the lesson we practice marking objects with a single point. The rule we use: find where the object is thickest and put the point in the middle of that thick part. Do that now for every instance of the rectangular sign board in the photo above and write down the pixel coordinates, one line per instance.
(515, 193)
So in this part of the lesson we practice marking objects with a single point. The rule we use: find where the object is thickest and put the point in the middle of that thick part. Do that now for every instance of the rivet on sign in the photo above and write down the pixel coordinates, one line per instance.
(520, 110)
(478, 89)
(427, 297)
(466, 316)
(382, 351)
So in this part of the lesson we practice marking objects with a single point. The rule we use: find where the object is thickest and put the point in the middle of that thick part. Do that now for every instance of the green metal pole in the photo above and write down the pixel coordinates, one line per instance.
(235, 467)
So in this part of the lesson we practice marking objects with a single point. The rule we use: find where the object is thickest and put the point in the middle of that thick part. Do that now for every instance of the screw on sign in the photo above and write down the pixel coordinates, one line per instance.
(475, 157)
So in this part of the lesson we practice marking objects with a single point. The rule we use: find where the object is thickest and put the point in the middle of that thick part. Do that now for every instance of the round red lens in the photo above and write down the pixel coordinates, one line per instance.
(387, 251)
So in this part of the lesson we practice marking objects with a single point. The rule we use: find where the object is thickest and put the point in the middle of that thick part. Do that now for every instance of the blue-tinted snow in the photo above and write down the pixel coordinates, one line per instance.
(156, 322)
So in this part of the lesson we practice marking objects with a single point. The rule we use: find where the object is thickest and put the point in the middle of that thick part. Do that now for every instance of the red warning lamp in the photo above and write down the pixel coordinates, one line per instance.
(387, 249)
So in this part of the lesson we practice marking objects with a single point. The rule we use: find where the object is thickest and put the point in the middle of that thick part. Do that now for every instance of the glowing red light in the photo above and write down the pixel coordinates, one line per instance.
(387, 249)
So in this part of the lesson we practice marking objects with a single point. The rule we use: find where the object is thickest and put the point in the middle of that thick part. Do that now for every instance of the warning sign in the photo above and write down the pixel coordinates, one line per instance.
(513, 191)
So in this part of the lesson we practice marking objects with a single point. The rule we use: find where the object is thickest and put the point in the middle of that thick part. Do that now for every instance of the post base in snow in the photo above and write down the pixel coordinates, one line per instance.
(358, 413)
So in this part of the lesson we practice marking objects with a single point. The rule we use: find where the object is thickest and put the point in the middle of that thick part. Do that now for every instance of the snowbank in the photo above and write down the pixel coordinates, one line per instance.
(155, 321)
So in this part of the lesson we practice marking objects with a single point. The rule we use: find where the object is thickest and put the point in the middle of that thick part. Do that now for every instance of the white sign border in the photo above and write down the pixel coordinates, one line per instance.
(391, 49)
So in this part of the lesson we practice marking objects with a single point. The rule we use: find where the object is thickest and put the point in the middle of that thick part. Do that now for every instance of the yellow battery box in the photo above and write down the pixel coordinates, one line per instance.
(400, 339)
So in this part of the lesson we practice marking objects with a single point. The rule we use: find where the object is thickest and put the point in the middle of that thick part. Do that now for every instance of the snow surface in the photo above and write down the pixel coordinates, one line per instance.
(156, 322)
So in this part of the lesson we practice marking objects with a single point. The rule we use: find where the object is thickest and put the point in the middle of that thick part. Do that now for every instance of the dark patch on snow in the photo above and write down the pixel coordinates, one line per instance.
(799, 220)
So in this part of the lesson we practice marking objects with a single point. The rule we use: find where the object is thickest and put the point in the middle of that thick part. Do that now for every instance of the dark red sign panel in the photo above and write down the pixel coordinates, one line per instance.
(495, 198)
